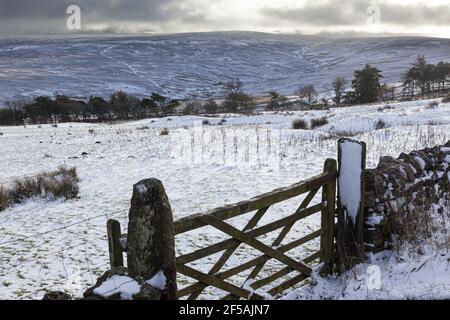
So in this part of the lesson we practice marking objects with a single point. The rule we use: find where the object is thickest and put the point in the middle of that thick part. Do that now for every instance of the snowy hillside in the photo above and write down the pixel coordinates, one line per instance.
(190, 65)
(62, 245)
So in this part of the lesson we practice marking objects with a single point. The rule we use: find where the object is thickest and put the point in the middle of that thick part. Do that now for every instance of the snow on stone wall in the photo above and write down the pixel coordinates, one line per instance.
(413, 183)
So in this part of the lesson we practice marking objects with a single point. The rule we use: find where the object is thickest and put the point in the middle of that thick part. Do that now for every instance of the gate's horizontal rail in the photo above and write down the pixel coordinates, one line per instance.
(283, 272)
(221, 246)
(254, 262)
(195, 221)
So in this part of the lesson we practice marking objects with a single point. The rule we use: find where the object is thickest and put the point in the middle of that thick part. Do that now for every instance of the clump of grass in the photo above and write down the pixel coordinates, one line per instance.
(337, 134)
(299, 124)
(380, 124)
(205, 122)
(414, 227)
(164, 132)
(62, 183)
(435, 123)
(432, 105)
(446, 99)
(24, 188)
(320, 122)
(386, 107)
(4, 198)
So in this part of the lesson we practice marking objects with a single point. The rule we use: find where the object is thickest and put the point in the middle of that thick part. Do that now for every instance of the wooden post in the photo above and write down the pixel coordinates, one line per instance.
(351, 214)
(328, 219)
(115, 248)
(151, 240)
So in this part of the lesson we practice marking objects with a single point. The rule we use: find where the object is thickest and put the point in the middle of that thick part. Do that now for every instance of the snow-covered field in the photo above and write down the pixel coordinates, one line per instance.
(201, 168)
(404, 275)
(197, 65)
(416, 271)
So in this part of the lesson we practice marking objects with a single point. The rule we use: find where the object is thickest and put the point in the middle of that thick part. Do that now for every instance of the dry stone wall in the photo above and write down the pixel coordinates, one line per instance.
(399, 191)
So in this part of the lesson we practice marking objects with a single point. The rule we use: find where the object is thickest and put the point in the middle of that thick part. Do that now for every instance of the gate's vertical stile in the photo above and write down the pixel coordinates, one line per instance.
(351, 189)
(115, 248)
(328, 218)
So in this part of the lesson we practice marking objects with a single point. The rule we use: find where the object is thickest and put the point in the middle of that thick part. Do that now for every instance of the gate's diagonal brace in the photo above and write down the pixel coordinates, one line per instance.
(284, 233)
(241, 236)
(229, 252)
(218, 283)
(277, 242)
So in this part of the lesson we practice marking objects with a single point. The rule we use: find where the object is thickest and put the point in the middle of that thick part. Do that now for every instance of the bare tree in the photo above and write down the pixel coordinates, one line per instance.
(338, 84)
(17, 111)
(307, 94)
(277, 101)
(211, 107)
(236, 100)
(234, 87)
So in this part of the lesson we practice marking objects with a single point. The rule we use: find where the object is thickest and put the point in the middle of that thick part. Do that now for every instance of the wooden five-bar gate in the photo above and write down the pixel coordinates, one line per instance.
(277, 250)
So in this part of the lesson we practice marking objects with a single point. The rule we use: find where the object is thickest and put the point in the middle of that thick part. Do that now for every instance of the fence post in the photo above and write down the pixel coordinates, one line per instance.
(151, 239)
(328, 219)
(115, 248)
(351, 190)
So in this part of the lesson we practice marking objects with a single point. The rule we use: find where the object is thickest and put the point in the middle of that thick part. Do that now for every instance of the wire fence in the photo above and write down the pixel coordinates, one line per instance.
(41, 234)
(83, 277)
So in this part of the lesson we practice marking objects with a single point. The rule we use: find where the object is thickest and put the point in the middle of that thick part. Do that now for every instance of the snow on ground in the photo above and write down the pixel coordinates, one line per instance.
(126, 286)
(412, 271)
(401, 276)
(201, 168)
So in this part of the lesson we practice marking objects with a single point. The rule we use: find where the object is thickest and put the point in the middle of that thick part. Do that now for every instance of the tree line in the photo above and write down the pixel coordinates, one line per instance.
(120, 106)
(424, 78)
(421, 79)
(366, 87)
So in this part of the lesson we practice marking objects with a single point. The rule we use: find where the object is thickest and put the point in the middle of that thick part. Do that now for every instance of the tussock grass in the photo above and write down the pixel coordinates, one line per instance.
(61, 183)
(380, 124)
(299, 124)
(319, 122)
(4, 198)
(336, 134)
(24, 188)
(432, 105)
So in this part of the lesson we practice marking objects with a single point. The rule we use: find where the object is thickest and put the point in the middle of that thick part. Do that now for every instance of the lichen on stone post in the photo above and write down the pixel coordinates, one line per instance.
(151, 243)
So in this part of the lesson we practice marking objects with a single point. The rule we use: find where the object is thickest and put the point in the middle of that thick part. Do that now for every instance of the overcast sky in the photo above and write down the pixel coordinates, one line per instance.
(429, 17)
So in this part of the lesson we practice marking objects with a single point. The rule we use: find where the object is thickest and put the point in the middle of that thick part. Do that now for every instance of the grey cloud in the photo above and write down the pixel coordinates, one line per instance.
(332, 13)
(411, 16)
(348, 13)
(43, 15)
(50, 15)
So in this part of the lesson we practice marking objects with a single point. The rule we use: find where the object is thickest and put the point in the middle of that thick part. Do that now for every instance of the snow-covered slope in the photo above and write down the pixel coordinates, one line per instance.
(118, 156)
(189, 65)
